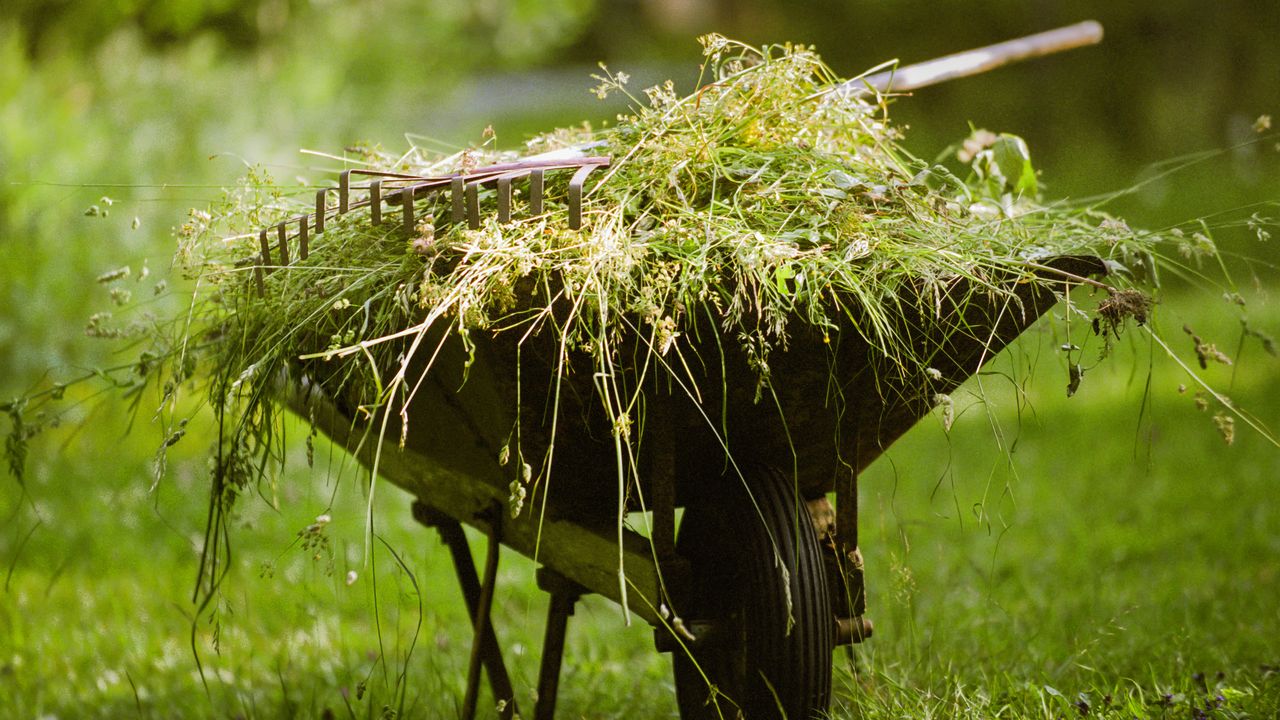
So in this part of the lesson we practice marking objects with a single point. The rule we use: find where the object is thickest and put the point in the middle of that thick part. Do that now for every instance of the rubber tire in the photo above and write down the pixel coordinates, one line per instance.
(757, 667)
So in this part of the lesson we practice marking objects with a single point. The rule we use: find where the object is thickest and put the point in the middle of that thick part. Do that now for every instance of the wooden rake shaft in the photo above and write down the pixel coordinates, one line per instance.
(464, 188)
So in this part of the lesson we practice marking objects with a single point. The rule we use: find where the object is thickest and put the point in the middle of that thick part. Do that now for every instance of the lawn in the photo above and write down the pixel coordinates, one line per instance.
(1103, 555)
(1110, 561)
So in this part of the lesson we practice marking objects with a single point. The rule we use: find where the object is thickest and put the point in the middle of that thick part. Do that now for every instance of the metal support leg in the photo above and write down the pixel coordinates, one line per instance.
(482, 627)
(851, 626)
(564, 595)
(456, 540)
(664, 480)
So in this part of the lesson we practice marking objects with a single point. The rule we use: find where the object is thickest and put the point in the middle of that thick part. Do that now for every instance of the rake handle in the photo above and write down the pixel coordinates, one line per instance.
(978, 60)
(933, 72)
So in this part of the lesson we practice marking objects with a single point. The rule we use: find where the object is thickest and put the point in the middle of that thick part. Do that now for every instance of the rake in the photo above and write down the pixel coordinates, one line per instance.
(464, 188)
(406, 189)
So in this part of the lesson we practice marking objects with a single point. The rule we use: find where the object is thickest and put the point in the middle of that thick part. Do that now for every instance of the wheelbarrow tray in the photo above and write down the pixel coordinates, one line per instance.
(832, 405)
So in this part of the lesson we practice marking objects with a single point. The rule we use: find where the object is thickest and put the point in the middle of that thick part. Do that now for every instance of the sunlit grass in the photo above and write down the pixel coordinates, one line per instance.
(1122, 555)
(1111, 563)
(95, 620)
(1114, 558)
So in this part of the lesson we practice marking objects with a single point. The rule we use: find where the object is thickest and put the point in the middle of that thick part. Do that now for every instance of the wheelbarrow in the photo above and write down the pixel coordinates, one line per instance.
(761, 578)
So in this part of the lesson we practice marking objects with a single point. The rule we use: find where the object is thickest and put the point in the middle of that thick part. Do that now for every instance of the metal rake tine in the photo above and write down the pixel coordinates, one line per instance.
(536, 182)
(457, 189)
(282, 230)
(257, 276)
(375, 202)
(504, 199)
(303, 230)
(266, 250)
(473, 205)
(322, 206)
(344, 191)
(575, 194)
(406, 199)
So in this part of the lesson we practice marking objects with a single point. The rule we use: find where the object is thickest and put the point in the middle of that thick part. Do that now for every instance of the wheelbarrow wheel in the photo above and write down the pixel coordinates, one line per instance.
(758, 595)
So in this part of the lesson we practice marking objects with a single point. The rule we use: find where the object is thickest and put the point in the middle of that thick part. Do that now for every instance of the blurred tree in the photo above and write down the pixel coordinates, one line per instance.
(83, 25)
(143, 92)
(152, 104)
(517, 31)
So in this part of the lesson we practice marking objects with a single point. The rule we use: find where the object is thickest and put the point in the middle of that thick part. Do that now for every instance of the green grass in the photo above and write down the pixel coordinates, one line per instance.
(1117, 554)
(1121, 559)
(1112, 565)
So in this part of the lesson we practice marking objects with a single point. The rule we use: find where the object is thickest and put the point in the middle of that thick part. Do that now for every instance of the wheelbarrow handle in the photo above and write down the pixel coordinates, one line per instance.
(978, 60)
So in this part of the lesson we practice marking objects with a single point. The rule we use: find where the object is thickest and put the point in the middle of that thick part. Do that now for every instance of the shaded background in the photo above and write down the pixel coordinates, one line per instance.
(156, 105)
(151, 102)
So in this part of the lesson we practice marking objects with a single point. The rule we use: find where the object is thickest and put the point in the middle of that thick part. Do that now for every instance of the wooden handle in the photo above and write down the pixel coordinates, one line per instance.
(930, 72)
(980, 60)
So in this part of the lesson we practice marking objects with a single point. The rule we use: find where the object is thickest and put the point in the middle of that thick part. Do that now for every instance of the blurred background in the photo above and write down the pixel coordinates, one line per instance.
(143, 109)
(156, 104)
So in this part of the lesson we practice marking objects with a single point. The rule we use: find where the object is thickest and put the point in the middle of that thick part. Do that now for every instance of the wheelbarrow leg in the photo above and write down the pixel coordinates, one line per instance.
(483, 635)
(485, 643)
(852, 625)
(564, 595)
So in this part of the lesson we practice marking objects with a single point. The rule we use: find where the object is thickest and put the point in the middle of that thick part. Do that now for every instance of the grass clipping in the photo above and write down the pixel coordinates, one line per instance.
(771, 196)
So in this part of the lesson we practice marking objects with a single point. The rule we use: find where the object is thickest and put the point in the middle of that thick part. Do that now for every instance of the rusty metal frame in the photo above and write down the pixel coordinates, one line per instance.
(850, 595)
(479, 593)
(564, 595)
(485, 643)
(483, 627)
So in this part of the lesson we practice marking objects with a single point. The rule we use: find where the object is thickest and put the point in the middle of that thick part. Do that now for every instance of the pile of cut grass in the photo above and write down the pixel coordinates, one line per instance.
(773, 195)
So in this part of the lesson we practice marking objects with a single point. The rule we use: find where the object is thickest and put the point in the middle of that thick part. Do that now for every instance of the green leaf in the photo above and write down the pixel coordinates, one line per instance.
(1013, 159)
(936, 177)
(781, 276)
(844, 180)
(1076, 374)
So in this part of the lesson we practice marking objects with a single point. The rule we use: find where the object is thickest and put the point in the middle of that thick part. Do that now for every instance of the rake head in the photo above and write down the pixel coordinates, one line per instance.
(405, 190)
